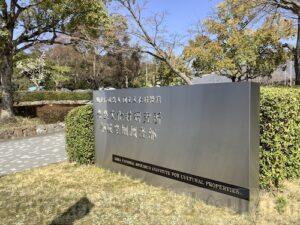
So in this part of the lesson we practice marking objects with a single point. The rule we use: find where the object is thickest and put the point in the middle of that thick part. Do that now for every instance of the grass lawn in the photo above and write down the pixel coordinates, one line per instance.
(70, 194)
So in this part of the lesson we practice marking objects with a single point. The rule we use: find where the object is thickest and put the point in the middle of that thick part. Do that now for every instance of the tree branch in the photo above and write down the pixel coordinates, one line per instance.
(288, 46)
(153, 54)
(35, 42)
(145, 36)
(290, 5)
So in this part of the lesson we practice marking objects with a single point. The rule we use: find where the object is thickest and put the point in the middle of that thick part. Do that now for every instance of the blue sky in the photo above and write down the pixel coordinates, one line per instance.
(182, 14)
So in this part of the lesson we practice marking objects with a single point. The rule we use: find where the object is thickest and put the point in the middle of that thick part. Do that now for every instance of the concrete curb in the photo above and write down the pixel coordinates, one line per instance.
(46, 102)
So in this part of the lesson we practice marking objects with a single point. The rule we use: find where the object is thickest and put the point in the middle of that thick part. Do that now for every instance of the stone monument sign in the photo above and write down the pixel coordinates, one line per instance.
(201, 140)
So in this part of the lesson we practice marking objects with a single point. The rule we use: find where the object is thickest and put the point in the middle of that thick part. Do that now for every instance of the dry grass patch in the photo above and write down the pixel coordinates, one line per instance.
(66, 193)
(20, 122)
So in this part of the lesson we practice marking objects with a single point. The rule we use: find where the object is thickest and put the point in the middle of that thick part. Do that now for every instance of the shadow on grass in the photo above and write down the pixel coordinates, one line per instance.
(76, 212)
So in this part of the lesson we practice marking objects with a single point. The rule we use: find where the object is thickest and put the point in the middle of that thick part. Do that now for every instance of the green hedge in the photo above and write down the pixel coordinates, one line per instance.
(80, 135)
(279, 135)
(51, 96)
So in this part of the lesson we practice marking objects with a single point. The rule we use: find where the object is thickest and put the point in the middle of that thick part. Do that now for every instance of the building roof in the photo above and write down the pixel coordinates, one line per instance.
(210, 78)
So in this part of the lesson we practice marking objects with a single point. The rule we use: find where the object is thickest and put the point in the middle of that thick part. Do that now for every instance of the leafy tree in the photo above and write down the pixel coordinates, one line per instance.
(119, 69)
(229, 48)
(68, 56)
(59, 75)
(27, 23)
(92, 71)
(166, 76)
(288, 9)
(33, 69)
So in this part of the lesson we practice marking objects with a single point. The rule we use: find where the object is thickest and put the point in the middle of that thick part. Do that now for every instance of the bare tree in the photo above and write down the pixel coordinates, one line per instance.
(154, 44)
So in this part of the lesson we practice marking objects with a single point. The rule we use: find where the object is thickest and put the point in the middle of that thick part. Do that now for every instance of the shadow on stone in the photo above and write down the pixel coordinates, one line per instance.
(76, 212)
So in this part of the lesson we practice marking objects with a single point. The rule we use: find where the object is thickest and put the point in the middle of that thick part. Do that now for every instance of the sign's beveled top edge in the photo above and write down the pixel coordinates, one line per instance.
(244, 83)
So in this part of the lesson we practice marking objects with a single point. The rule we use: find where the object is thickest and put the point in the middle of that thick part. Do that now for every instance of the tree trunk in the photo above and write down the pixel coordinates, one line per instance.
(297, 56)
(184, 77)
(6, 85)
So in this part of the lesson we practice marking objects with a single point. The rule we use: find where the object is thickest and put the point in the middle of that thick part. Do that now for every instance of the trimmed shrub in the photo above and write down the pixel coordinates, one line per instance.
(22, 96)
(80, 135)
(53, 113)
(279, 135)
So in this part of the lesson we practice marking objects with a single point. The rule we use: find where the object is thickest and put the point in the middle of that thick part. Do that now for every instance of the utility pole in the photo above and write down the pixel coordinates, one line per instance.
(155, 76)
(291, 73)
(146, 73)
(126, 81)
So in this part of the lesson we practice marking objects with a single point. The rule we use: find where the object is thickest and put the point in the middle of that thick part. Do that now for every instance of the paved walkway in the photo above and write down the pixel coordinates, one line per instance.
(22, 154)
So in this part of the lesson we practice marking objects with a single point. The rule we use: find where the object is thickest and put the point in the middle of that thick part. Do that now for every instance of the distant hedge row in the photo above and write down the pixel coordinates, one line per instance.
(279, 135)
(53, 113)
(51, 96)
